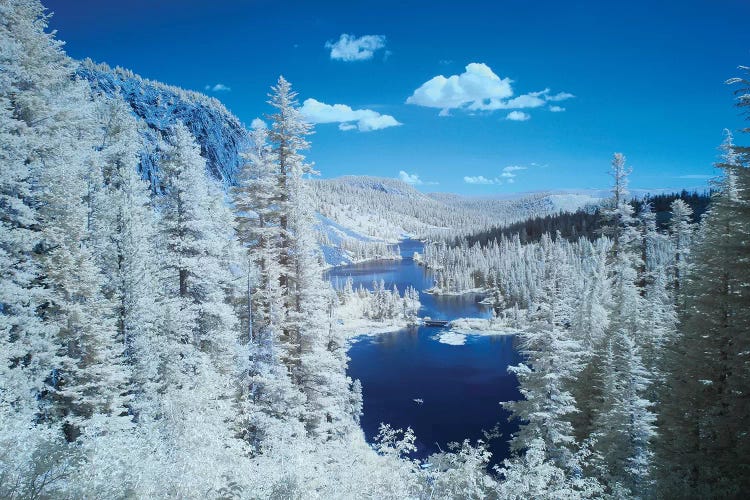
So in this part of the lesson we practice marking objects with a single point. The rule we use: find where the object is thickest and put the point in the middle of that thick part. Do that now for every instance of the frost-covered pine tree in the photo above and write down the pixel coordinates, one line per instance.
(534, 475)
(590, 324)
(200, 372)
(552, 362)
(199, 236)
(256, 204)
(88, 375)
(314, 353)
(623, 422)
(273, 405)
(658, 317)
(91, 376)
(288, 139)
(681, 234)
(703, 445)
(34, 71)
(125, 230)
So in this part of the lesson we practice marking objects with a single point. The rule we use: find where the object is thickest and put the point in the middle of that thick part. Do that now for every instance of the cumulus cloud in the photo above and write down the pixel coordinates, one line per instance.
(474, 85)
(518, 116)
(480, 179)
(258, 123)
(478, 88)
(408, 178)
(218, 87)
(364, 120)
(351, 48)
(556, 109)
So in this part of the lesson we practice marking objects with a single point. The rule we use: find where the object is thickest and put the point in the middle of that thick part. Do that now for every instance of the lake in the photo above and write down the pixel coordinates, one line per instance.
(461, 386)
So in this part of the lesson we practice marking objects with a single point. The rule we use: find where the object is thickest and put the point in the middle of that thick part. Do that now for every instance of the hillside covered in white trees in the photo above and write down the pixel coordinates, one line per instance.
(166, 330)
(390, 208)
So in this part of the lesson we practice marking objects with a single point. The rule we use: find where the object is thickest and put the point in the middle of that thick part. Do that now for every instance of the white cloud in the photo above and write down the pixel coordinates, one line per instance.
(508, 174)
(560, 96)
(408, 178)
(364, 120)
(694, 176)
(258, 123)
(478, 88)
(530, 100)
(556, 109)
(518, 116)
(351, 48)
(480, 179)
(474, 85)
(219, 87)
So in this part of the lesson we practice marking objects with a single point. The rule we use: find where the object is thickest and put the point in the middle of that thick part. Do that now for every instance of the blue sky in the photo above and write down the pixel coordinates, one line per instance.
(646, 76)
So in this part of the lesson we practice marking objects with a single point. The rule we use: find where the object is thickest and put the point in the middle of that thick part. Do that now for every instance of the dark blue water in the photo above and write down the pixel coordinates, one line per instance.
(462, 386)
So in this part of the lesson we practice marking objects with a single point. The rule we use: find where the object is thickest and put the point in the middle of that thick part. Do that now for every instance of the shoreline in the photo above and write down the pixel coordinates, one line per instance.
(328, 267)
(454, 333)
(354, 329)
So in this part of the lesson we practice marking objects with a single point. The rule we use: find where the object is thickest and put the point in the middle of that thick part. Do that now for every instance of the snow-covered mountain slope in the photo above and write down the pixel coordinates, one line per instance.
(520, 206)
(384, 209)
(339, 243)
(387, 209)
(221, 136)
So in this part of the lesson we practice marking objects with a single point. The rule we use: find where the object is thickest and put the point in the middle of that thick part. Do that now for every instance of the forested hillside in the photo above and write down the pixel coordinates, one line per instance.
(587, 222)
(390, 208)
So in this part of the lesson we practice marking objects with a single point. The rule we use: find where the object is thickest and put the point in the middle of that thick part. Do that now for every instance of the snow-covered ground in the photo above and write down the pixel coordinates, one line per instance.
(460, 329)
(335, 257)
(482, 326)
(371, 312)
(450, 338)
(363, 327)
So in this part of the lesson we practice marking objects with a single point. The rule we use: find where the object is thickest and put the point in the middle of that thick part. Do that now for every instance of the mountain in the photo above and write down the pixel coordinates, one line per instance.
(221, 135)
(387, 209)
